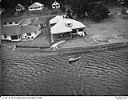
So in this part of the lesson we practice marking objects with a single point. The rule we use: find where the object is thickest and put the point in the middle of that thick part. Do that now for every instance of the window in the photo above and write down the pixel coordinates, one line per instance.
(16, 22)
(10, 22)
(14, 37)
(74, 31)
(81, 29)
(5, 36)
(5, 23)
(28, 34)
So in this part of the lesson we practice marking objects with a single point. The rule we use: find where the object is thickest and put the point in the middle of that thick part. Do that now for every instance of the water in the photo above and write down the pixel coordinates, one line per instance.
(31, 72)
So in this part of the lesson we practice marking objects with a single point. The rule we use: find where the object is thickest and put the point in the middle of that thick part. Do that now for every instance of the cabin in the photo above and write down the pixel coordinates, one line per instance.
(66, 29)
(11, 21)
(19, 8)
(30, 32)
(36, 7)
(11, 33)
(18, 33)
(56, 5)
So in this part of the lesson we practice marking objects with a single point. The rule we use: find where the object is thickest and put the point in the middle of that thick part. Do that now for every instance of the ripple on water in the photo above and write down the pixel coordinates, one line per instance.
(96, 73)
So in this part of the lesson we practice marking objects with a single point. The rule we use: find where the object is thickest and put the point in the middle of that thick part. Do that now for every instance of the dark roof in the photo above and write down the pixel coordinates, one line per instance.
(39, 20)
(29, 28)
(11, 19)
(11, 30)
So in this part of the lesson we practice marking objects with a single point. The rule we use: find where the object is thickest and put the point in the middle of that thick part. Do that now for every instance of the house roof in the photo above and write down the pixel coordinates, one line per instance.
(66, 25)
(30, 28)
(19, 5)
(59, 28)
(11, 30)
(17, 30)
(75, 24)
(38, 20)
(56, 19)
(55, 3)
(11, 19)
(36, 4)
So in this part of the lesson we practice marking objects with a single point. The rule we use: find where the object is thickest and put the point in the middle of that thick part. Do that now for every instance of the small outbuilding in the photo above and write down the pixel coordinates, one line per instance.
(36, 7)
(56, 5)
(11, 21)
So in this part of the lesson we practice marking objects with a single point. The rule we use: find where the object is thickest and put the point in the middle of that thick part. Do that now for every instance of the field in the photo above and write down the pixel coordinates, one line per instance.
(111, 30)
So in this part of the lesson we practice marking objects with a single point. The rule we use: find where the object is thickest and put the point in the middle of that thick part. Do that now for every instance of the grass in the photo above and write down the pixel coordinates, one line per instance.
(109, 29)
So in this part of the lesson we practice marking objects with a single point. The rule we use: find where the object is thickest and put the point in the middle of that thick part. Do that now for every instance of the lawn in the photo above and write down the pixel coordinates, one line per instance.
(41, 41)
(78, 42)
(111, 30)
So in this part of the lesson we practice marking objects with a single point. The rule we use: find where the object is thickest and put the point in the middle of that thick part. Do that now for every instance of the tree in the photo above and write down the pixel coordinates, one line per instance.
(98, 12)
(69, 14)
(95, 9)
(79, 7)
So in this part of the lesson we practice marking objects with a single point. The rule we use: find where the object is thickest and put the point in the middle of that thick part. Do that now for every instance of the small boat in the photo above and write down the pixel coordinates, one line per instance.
(74, 59)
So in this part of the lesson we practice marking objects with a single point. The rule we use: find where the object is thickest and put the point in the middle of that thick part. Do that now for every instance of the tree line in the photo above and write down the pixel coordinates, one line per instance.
(95, 9)
(13, 3)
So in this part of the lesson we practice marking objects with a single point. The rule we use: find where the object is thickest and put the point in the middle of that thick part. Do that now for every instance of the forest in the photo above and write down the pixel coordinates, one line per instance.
(13, 3)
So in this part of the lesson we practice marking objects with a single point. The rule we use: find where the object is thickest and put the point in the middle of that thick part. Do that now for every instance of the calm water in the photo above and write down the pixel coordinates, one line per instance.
(30, 72)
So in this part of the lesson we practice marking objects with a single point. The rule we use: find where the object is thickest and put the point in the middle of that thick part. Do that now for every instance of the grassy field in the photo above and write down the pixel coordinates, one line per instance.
(111, 30)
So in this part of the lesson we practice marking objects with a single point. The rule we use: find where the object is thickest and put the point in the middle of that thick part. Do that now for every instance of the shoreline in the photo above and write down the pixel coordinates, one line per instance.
(61, 51)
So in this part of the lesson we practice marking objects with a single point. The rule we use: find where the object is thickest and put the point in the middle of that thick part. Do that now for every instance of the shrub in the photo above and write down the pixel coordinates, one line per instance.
(98, 13)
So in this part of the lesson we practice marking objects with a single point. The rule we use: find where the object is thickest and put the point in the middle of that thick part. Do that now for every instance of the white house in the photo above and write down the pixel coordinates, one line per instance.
(36, 7)
(56, 5)
(11, 21)
(66, 28)
(19, 8)
(12, 33)
(30, 32)
(18, 33)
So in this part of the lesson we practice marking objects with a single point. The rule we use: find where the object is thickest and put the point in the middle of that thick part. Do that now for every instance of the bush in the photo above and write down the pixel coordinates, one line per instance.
(98, 12)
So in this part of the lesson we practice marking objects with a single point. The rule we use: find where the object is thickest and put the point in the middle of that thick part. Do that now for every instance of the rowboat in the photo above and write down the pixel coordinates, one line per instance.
(74, 59)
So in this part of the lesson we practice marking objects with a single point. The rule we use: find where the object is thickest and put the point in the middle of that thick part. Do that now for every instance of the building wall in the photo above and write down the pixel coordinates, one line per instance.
(35, 9)
(7, 37)
(11, 24)
(31, 35)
